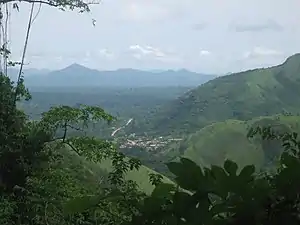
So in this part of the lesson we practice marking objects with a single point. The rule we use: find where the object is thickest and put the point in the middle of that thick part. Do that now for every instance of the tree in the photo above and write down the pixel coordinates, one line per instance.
(21, 148)
(30, 148)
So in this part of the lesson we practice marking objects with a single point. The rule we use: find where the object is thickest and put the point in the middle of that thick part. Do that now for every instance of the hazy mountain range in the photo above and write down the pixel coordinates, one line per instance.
(77, 75)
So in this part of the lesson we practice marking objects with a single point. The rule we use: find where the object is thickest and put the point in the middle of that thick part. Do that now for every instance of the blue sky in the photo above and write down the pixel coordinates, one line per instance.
(209, 36)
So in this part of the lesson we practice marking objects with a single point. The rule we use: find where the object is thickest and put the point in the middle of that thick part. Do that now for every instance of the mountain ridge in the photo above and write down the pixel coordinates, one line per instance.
(242, 96)
(76, 75)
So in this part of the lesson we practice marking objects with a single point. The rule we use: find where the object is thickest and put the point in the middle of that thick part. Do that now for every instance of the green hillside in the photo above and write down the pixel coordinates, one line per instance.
(241, 96)
(141, 176)
(92, 172)
(219, 141)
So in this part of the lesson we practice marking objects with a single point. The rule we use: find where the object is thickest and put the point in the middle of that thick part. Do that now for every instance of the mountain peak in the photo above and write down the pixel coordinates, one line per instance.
(76, 66)
(75, 70)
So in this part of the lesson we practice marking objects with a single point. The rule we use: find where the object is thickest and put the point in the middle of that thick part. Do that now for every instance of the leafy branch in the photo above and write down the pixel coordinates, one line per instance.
(62, 4)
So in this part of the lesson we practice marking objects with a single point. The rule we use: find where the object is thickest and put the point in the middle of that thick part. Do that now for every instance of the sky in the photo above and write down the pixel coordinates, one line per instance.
(206, 36)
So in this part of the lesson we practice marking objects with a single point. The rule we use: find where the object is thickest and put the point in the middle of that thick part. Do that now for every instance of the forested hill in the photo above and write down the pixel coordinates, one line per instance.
(244, 95)
(77, 75)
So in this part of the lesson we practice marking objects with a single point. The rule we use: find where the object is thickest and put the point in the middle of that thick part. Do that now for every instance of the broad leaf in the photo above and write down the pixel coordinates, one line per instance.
(189, 174)
(247, 171)
(230, 167)
(182, 201)
(175, 168)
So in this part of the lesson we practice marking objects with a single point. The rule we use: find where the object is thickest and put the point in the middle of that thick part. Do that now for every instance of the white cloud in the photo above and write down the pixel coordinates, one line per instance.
(261, 52)
(205, 53)
(152, 53)
(146, 51)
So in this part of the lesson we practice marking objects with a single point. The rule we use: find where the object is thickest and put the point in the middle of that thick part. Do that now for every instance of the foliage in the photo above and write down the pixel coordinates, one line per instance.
(62, 118)
(16, 136)
(62, 4)
(21, 150)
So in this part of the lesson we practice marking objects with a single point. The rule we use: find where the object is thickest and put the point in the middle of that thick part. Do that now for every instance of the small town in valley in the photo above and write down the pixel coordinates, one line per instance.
(149, 144)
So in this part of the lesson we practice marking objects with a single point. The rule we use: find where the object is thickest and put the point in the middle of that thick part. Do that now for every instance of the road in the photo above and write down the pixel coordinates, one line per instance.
(118, 129)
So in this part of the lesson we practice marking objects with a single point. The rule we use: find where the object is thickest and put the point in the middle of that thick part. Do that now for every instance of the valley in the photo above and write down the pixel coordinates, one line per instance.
(158, 124)
(149, 144)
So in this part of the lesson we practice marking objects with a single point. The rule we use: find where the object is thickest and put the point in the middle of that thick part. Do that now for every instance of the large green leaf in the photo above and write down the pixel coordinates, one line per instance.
(188, 174)
(175, 168)
(182, 201)
(247, 172)
(218, 173)
(230, 167)
(221, 181)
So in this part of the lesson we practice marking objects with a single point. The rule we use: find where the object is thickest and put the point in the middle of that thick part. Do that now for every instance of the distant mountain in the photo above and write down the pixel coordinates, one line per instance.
(242, 96)
(76, 75)
(14, 72)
